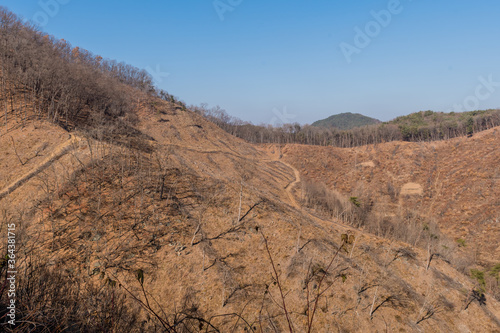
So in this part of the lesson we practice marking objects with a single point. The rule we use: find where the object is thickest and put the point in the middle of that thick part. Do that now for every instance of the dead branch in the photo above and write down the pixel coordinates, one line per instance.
(15, 151)
(311, 319)
(279, 284)
(249, 210)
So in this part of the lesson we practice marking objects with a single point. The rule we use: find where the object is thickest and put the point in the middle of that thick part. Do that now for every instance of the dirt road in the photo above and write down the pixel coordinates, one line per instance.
(293, 201)
(56, 154)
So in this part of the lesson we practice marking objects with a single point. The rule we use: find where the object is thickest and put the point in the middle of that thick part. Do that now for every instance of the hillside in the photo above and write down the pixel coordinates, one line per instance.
(134, 214)
(346, 121)
(102, 212)
(453, 184)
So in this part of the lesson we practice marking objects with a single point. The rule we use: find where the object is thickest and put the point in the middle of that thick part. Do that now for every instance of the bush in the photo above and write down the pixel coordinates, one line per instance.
(479, 277)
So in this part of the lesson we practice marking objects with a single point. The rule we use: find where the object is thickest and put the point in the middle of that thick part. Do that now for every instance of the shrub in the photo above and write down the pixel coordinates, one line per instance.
(478, 275)
(461, 242)
(355, 201)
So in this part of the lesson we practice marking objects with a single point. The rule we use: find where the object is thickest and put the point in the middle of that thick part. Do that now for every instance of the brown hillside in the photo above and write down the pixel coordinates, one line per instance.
(167, 202)
(454, 183)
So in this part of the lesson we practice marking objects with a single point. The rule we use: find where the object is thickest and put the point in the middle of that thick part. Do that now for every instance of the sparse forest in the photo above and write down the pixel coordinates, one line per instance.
(416, 127)
(61, 83)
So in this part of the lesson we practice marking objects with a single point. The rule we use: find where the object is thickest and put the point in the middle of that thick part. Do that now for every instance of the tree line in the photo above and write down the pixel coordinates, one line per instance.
(419, 126)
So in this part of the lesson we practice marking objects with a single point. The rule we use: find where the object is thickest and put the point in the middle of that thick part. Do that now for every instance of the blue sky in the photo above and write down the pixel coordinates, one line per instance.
(276, 60)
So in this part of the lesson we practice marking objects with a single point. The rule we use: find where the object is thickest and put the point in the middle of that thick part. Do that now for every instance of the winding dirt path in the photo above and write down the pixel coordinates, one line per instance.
(289, 190)
(56, 154)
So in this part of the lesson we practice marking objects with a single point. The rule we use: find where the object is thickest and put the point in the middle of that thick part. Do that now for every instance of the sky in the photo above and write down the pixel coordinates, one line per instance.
(282, 61)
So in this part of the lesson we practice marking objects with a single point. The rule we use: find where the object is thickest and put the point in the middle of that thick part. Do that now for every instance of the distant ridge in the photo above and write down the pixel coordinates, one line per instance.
(346, 121)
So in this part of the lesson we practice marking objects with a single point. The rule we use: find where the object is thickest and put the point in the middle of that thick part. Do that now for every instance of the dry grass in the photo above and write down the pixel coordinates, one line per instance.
(188, 213)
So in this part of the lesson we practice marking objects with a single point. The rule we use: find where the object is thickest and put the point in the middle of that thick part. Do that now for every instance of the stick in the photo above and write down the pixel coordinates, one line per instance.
(15, 151)
(279, 284)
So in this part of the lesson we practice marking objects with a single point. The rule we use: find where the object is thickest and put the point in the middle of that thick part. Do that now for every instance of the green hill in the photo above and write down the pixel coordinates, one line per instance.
(425, 125)
(346, 121)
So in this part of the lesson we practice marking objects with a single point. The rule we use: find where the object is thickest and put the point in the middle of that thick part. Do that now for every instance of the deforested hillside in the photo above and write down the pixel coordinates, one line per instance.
(452, 184)
(136, 214)
(212, 229)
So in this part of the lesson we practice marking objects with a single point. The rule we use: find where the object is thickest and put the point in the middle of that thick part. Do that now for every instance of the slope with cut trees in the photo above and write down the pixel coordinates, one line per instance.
(158, 220)
(451, 184)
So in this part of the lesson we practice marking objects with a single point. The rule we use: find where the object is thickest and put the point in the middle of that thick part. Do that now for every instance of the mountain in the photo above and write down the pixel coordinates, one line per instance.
(346, 121)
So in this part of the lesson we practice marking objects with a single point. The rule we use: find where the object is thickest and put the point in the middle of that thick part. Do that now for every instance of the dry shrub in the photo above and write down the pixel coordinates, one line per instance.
(333, 205)
(392, 191)
(51, 300)
(410, 226)
(318, 196)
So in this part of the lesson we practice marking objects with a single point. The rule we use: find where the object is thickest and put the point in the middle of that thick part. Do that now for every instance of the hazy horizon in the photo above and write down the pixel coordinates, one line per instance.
(295, 61)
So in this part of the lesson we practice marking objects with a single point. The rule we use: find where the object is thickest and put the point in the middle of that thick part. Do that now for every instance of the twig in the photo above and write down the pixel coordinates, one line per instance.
(298, 238)
(15, 151)
(303, 246)
(373, 303)
(241, 197)
(430, 255)
(235, 228)
(146, 306)
(248, 212)
(279, 284)
(195, 233)
(353, 246)
(310, 322)
(429, 312)
(387, 299)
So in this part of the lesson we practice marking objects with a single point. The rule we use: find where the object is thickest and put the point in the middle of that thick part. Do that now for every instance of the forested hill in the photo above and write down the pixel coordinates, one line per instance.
(67, 85)
(346, 121)
(427, 125)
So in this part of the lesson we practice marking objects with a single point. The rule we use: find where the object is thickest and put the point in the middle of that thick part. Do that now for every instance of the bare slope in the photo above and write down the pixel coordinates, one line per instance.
(189, 206)
(452, 183)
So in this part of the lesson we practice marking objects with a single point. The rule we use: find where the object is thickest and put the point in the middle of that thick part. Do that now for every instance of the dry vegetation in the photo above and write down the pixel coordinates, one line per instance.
(153, 219)
(188, 229)
(419, 193)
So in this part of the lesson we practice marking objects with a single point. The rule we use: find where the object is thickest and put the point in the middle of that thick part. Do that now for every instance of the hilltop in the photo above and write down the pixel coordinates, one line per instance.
(346, 121)
(430, 125)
